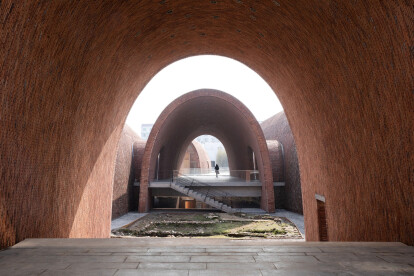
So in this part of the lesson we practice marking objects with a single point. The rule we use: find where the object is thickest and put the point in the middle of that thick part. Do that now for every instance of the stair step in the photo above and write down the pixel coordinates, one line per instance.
(182, 185)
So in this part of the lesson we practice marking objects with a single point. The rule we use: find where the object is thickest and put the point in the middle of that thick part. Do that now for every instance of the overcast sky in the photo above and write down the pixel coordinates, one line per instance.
(225, 74)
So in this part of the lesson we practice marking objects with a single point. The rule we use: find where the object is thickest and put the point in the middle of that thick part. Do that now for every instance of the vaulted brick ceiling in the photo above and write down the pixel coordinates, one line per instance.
(70, 71)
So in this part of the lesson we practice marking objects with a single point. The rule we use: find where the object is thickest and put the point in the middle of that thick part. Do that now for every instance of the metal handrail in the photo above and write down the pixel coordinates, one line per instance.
(242, 175)
(211, 192)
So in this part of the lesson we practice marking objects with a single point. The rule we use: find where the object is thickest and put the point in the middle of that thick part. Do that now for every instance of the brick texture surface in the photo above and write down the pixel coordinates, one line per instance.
(277, 127)
(197, 157)
(212, 112)
(124, 174)
(71, 70)
(276, 157)
(128, 170)
(203, 160)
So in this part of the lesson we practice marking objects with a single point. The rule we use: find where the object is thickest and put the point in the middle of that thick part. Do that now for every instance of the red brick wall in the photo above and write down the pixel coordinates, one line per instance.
(276, 157)
(277, 128)
(139, 148)
(71, 70)
(282, 199)
(124, 175)
(186, 164)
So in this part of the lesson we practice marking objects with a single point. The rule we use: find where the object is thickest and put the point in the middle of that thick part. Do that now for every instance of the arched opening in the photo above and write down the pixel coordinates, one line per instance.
(197, 161)
(202, 154)
(328, 62)
(237, 129)
(172, 77)
(234, 76)
(196, 72)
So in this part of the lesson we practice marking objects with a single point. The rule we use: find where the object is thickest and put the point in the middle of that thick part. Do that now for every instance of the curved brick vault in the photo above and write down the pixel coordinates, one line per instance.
(200, 112)
(197, 157)
(277, 128)
(71, 70)
(127, 155)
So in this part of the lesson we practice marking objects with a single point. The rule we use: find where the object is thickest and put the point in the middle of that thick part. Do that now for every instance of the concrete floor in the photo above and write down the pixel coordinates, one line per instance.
(126, 219)
(201, 256)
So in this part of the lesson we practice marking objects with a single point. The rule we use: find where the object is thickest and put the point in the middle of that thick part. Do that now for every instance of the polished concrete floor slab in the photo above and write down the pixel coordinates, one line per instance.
(204, 256)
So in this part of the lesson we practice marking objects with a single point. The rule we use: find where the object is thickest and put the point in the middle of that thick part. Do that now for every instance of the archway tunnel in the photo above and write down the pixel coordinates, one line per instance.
(206, 111)
(71, 71)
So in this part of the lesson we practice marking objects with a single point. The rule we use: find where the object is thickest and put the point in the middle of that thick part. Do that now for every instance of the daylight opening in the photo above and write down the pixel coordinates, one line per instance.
(208, 133)
(203, 154)
(206, 71)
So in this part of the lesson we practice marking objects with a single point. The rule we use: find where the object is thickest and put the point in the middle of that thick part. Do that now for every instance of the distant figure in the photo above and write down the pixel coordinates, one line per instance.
(217, 168)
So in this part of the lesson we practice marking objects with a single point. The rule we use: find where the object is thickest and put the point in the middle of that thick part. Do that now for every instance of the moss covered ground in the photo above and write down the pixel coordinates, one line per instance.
(210, 225)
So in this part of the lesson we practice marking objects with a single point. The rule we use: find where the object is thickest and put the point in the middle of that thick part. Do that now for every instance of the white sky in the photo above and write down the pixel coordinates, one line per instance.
(216, 72)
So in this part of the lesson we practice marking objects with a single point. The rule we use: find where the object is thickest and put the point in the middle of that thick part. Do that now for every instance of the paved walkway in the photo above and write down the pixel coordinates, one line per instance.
(126, 219)
(297, 219)
(200, 256)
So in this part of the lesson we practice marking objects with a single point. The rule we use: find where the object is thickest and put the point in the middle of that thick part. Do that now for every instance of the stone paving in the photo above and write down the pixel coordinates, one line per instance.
(297, 219)
(126, 219)
(201, 256)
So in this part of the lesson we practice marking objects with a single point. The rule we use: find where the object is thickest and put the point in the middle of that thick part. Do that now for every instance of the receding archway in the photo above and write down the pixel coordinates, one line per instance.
(215, 113)
(71, 71)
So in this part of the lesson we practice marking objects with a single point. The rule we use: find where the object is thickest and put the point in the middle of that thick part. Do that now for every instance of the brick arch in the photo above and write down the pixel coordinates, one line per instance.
(213, 112)
(198, 156)
(72, 69)
(223, 139)
(203, 158)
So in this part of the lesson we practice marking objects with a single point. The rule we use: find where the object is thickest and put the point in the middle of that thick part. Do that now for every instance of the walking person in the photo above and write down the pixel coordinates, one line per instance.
(217, 168)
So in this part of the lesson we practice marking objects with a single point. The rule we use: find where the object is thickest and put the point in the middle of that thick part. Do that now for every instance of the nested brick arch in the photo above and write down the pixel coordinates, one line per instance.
(71, 70)
(198, 157)
(218, 134)
(206, 111)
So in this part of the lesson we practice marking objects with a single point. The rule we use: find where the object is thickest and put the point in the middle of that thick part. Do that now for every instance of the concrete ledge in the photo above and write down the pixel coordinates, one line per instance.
(149, 242)
(278, 184)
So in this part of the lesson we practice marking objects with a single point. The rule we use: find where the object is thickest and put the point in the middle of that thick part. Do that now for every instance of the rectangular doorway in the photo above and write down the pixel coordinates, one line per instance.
(322, 224)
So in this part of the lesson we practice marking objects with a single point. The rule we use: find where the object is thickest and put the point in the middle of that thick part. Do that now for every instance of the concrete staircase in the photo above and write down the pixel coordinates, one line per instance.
(179, 186)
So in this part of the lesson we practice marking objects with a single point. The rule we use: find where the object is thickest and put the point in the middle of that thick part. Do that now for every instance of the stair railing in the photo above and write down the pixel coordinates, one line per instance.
(187, 181)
